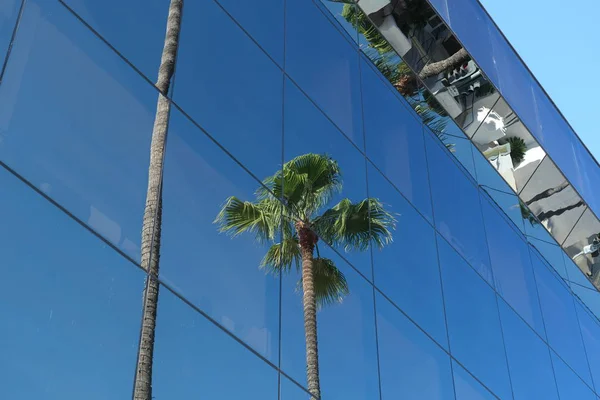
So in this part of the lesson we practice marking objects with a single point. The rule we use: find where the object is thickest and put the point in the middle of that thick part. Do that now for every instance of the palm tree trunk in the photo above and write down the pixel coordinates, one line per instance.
(548, 192)
(307, 240)
(553, 213)
(151, 228)
(438, 67)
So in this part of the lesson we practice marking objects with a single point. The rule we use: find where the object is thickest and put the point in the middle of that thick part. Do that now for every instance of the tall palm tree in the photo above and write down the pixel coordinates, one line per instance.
(306, 185)
(151, 227)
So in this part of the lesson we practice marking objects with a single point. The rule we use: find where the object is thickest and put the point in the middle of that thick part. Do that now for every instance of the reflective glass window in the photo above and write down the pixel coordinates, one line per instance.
(407, 269)
(552, 253)
(96, 167)
(194, 358)
(511, 263)
(473, 322)
(467, 387)
(308, 131)
(240, 105)
(263, 20)
(589, 297)
(344, 15)
(8, 18)
(215, 269)
(583, 246)
(510, 205)
(346, 335)
(291, 390)
(570, 386)
(528, 358)
(590, 331)
(325, 66)
(460, 147)
(562, 326)
(71, 308)
(120, 24)
(457, 209)
(412, 366)
(394, 139)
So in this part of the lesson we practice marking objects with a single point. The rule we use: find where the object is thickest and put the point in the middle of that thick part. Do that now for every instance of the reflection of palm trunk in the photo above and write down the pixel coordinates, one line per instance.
(553, 213)
(549, 192)
(436, 68)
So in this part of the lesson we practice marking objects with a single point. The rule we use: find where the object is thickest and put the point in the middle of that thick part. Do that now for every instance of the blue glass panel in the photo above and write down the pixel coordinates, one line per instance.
(346, 336)
(412, 366)
(291, 391)
(215, 271)
(307, 130)
(9, 12)
(94, 165)
(473, 322)
(342, 15)
(263, 20)
(140, 40)
(71, 306)
(574, 275)
(460, 147)
(562, 326)
(466, 387)
(325, 66)
(590, 331)
(552, 253)
(528, 359)
(511, 264)
(457, 209)
(394, 140)
(193, 358)
(510, 206)
(589, 297)
(230, 87)
(407, 270)
(569, 384)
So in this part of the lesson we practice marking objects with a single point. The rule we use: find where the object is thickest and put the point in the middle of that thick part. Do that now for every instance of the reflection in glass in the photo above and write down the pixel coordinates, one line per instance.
(70, 306)
(511, 263)
(590, 332)
(473, 322)
(552, 200)
(8, 18)
(412, 366)
(551, 253)
(407, 269)
(345, 14)
(307, 185)
(562, 326)
(528, 359)
(570, 386)
(325, 66)
(457, 208)
(193, 358)
(466, 387)
(583, 246)
(214, 272)
(94, 166)
(239, 107)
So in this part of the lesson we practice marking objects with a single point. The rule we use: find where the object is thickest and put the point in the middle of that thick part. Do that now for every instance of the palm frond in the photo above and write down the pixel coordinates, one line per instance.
(354, 225)
(330, 283)
(261, 218)
(281, 257)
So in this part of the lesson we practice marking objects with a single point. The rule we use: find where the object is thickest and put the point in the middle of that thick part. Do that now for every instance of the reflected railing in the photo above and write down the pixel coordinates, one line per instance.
(413, 48)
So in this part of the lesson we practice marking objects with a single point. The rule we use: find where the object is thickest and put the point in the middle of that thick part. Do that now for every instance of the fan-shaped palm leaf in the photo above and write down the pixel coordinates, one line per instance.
(262, 218)
(330, 283)
(281, 257)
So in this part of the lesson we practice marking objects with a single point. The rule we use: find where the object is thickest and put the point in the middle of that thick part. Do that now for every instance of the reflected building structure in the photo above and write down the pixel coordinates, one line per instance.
(400, 148)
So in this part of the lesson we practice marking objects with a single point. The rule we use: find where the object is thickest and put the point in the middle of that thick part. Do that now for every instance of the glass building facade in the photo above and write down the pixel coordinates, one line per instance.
(455, 251)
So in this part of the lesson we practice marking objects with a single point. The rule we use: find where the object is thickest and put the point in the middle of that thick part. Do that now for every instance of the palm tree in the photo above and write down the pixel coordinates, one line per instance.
(151, 227)
(306, 185)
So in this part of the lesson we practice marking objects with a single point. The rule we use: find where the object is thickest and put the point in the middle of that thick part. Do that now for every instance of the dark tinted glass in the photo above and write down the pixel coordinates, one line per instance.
(325, 65)
(194, 358)
(511, 264)
(216, 271)
(412, 366)
(93, 165)
(528, 358)
(71, 308)
(457, 209)
(407, 270)
(241, 107)
(562, 325)
(473, 322)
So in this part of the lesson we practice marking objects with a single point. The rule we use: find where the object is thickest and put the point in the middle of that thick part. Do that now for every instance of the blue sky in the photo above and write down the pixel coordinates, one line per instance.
(558, 40)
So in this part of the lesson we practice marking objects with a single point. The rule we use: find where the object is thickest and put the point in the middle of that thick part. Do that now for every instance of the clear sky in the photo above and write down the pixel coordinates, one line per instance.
(545, 34)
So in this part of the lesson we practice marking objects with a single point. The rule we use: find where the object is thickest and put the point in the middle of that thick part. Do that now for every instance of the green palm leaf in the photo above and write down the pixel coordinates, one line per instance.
(262, 218)
(330, 283)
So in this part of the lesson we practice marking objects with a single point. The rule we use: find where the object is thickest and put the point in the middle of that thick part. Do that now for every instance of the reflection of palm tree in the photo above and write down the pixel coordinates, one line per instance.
(554, 213)
(306, 184)
(151, 228)
(527, 215)
(548, 192)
